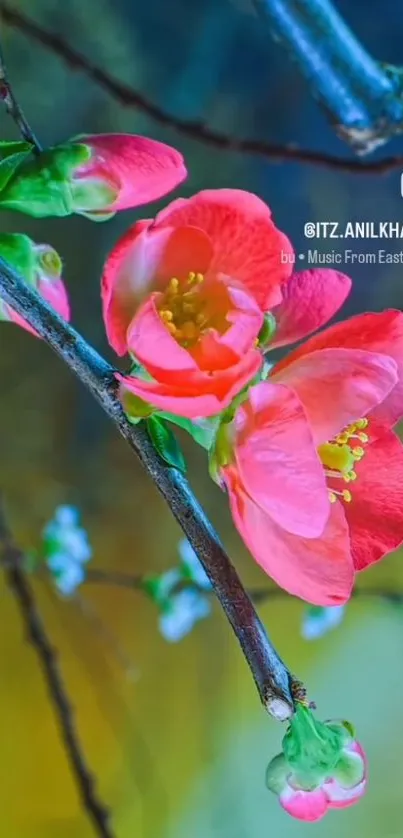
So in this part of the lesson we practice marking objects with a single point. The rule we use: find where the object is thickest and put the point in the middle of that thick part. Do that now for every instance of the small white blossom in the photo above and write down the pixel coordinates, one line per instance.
(193, 567)
(180, 613)
(68, 575)
(67, 516)
(317, 621)
(67, 549)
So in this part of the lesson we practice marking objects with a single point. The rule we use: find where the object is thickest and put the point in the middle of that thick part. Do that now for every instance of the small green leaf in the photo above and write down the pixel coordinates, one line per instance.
(166, 443)
(203, 430)
(12, 155)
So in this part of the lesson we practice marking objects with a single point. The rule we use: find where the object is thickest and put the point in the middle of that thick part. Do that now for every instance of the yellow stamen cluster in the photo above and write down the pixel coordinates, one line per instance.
(181, 309)
(340, 455)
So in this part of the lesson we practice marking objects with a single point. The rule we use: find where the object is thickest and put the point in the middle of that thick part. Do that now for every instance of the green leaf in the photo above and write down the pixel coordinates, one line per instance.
(203, 431)
(166, 443)
(12, 155)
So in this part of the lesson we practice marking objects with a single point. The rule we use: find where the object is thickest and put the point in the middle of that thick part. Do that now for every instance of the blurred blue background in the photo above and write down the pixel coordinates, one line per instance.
(179, 743)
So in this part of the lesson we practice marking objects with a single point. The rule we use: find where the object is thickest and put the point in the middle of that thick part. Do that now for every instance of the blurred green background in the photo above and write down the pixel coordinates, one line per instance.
(177, 739)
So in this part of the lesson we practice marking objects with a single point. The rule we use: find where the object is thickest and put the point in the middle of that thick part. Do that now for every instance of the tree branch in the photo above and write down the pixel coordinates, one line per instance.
(199, 132)
(273, 680)
(363, 97)
(119, 579)
(13, 108)
(24, 597)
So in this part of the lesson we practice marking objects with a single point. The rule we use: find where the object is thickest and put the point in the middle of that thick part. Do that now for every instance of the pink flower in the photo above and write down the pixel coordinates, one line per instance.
(321, 767)
(335, 792)
(296, 441)
(43, 272)
(186, 296)
(133, 170)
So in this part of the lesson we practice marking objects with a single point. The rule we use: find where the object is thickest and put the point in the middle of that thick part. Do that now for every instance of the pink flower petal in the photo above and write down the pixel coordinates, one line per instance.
(144, 259)
(154, 347)
(247, 244)
(381, 332)
(318, 570)
(54, 292)
(337, 386)
(200, 395)
(145, 169)
(310, 299)
(304, 805)
(277, 460)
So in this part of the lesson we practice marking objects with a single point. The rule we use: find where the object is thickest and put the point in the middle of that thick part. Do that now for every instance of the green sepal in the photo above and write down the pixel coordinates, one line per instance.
(277, 772)
(42, 186)
(221, 453)
(350, 770)
(18, 250)
(202, 431)
(135, 408)
(12, 155)
(165, 442)
(160, 588)
(312, 748)
(267, 331)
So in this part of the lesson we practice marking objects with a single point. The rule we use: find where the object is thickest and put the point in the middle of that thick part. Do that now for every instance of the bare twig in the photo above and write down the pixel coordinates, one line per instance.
(24, 597)
(197, 131)
(273, 680)
(114, 578)
(13, 108)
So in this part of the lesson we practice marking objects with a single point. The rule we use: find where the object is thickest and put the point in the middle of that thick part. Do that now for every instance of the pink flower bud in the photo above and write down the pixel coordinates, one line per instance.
(124, 170)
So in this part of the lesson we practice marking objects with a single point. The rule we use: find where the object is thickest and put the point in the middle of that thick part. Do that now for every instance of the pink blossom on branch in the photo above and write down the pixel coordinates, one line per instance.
(345, 394)
(95, 176)
(41, 267)
(322, 767)
(185, 295)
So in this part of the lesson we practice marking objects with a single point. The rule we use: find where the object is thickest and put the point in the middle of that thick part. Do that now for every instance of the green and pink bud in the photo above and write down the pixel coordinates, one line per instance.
(41, 267)
(321, 767)
(95, 176)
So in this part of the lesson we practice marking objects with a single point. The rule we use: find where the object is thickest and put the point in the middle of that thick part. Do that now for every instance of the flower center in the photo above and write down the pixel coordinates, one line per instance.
(340, 455)
(183, 309)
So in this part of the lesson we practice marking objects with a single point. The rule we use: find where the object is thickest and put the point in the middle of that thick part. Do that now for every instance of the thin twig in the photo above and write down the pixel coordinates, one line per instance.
(35, 628)
(13, 108)
(114, 578)
(273, 680)
(127, 96)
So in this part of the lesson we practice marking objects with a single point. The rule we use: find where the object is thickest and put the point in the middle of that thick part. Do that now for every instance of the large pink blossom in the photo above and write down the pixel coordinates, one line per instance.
(185, 295)
(348, 388)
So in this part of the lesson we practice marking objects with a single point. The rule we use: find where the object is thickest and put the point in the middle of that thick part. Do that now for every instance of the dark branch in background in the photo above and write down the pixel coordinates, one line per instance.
(273, 680)
(363, 97)
(13, 561)
(120, 579)
(197, 131)
(13, 108)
